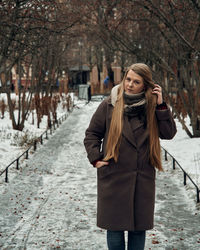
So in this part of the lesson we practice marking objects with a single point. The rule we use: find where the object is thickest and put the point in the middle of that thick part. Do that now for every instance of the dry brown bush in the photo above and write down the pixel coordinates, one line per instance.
(2, 108)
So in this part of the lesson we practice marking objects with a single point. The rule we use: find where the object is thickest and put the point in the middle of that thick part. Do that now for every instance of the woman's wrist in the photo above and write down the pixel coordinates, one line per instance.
(161, 106)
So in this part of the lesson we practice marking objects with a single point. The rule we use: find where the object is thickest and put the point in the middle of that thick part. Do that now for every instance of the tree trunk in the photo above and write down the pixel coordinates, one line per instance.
(195, 122)
(19, 127)
(11, 110)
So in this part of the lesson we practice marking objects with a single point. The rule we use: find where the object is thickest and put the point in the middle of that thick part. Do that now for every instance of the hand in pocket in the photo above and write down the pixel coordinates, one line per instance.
(100, 164)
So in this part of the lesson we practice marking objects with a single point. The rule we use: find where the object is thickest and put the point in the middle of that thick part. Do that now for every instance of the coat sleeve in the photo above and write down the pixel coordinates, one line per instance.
(166, 124)
(95, 133)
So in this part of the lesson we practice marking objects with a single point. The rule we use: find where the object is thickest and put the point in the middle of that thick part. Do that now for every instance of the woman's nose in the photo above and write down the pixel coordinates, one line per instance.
(131, 83)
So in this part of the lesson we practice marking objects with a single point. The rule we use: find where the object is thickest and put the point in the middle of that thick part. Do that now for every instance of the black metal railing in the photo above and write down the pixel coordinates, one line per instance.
(185, 174)
(40, 139)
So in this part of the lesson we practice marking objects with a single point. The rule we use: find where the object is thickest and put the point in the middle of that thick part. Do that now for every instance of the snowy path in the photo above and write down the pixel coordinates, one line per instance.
(51, 202)
(177, 219)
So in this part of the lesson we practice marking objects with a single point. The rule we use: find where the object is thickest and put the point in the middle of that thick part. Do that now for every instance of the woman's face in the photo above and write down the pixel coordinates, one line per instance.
(134, 83)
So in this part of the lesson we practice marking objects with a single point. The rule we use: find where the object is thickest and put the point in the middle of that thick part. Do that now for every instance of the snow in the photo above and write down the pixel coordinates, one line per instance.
(10, 139)
(186, 151)
(54, 205)
(176, 214)
(50, 202)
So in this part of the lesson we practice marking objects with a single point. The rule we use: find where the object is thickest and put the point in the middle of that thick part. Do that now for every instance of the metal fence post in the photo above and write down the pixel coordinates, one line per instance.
(6, 178)
(198, 195)
(184, 176)
(165, 155)
(27, 154)
(174, 162)
(46, 134)
(17, 167)
(41, 139)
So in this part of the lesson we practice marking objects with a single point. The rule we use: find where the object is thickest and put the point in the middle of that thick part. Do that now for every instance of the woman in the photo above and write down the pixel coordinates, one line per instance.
(122, 142)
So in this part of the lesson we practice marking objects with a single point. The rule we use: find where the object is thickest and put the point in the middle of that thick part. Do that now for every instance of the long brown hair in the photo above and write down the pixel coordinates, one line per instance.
(116, 125)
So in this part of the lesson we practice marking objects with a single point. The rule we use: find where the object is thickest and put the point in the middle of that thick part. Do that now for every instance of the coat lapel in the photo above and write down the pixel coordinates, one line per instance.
(136, 124)
(128, 133)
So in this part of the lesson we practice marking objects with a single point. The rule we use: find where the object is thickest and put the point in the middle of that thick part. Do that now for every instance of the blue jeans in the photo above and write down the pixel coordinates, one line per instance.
(116, 241)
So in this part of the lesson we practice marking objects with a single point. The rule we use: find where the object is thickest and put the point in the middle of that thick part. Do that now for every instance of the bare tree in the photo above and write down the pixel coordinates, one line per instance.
(32, 37)
(159, 33)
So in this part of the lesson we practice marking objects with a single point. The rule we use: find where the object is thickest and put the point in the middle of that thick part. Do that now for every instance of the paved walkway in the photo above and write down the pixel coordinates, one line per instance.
(51, 202)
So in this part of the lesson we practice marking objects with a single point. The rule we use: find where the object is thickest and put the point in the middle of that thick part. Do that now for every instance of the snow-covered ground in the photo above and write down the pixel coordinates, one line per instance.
(50, 202)
(186, 151)
(11, 140)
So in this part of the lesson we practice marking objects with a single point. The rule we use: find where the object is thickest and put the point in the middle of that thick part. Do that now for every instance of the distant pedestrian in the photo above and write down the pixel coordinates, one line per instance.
(89, 92)
(106, 81)
(122, 142)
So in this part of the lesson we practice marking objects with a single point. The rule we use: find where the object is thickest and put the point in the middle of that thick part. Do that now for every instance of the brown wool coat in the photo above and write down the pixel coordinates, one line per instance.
(126, 189)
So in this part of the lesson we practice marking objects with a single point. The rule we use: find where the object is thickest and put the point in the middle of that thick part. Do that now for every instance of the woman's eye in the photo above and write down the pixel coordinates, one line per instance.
(137, 82)
(128, 79)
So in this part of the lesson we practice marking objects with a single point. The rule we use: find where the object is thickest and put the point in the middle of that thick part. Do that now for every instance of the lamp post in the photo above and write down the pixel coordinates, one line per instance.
(80, 43)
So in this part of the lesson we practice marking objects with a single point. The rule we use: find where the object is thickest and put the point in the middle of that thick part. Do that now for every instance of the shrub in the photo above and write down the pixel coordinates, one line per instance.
(3, 108)
(24, 139)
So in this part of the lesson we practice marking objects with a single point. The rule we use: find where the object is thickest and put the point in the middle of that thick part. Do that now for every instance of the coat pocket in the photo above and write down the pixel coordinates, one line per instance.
(104, 171)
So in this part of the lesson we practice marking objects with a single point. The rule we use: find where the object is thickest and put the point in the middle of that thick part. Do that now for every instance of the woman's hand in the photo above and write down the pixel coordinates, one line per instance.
(158, 91)
(100, 164)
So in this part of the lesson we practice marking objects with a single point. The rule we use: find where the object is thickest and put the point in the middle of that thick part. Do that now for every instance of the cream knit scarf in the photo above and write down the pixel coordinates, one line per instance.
(132, 100)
